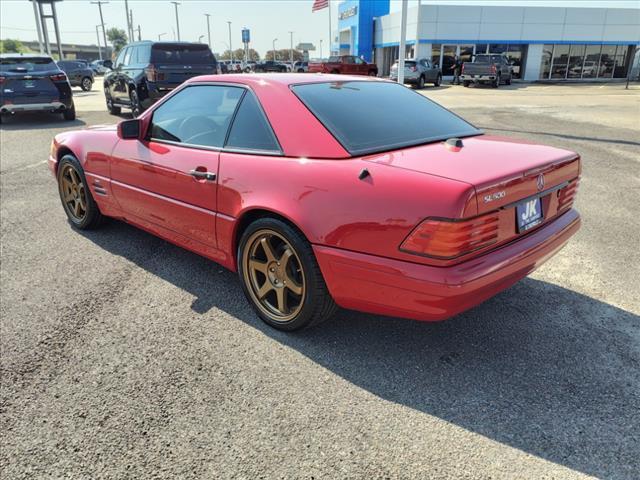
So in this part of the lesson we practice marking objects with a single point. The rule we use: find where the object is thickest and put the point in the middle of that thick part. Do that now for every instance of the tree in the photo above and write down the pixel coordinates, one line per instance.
(118, 38)
(12, 46)
(283, 55)
(238, 54)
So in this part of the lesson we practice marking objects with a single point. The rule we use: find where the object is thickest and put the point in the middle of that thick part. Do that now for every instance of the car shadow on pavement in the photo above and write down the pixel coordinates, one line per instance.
(38, 121)
(540, 368)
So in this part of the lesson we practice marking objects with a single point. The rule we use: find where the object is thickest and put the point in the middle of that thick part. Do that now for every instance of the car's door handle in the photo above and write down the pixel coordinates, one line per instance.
(203, 175)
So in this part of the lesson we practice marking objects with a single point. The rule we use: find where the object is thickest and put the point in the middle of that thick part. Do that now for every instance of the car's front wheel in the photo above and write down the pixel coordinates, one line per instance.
(438, 81)
(280, 276)
(78, 204)
(86, 84)
(70, 113)
(136, 108)
(113, 110)
(420, 82)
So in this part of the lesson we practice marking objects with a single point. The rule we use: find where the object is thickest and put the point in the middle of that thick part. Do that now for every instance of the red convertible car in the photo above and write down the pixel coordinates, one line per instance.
(326, 190)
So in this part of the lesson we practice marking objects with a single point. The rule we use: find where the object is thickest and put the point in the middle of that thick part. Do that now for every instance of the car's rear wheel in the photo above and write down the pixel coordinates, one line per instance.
(465, 83)
(78, 204)
(86, 84)
(70, 113)
(280, 276)
(113, 110)
(335, 71)
(373, 73)
(438, 81)
(136, 108)
(420, 82)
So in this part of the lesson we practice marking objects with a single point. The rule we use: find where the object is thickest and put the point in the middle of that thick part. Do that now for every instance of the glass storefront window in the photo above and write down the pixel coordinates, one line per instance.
(517, 54)
(545, 65)
(560, 61)
(448, 59)
(607, 59)
(481, 48)
(620, 64)
(435, 53)
(591, 61)
(498, 48)
(576, 59)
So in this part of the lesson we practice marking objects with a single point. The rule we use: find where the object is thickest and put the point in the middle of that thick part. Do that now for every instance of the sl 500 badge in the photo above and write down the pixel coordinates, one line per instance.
(494, 196)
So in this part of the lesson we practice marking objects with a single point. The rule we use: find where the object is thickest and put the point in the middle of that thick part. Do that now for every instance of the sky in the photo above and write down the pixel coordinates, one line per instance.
(267, 19)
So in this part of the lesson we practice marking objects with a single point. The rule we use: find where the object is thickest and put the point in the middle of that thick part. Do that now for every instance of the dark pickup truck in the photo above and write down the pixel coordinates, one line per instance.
(490, 68)
(345, 64)
(270, 66)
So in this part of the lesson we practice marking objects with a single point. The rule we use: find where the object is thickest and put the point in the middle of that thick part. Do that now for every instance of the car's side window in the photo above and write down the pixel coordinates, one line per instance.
(250, 129)
(118, 62)
(127, 57)
(197, 115)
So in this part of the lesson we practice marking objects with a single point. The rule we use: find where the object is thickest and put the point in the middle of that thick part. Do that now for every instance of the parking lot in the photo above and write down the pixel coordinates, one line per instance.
(124, 356)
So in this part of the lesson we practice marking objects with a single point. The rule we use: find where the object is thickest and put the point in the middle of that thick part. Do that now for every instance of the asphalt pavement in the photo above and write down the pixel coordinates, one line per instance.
(123, 356)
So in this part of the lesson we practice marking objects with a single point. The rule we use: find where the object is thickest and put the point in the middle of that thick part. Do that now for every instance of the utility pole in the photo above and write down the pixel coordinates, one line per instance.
(133, 30)
(139, 34)
(129, 22)
(175, 4)
(56, 28)
(38, 25)
(274, 49)
(291, 50)
(230, 46)
(208, 28)
(403, 43)
(104, 33)
(98, 38)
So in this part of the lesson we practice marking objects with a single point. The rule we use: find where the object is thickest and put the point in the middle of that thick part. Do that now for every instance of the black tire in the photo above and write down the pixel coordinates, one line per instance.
(316, 305)
(86, 84)
(70, 113)
(373, 73)
(465, 83)
(334, 71)
(438, 81)
(92, 218)
(113, 110)
(420, 84)
(301, 70)
(136, 108)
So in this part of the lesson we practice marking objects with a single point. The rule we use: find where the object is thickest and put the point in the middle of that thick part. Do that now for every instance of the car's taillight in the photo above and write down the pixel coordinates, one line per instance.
(58, 77)
(448, 239)
(462, 68)
(493, 69)
(152, 74)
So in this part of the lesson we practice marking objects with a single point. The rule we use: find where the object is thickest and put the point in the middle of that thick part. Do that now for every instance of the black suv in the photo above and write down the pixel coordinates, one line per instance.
(34, 83)
(146, 71)
(270, 66)
(78, 72)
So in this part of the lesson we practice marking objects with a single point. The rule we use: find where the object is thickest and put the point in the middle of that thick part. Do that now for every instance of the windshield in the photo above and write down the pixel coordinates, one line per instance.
(181, 54)
(30, 64)
(335, 59)
(367, 117)
(487, 59)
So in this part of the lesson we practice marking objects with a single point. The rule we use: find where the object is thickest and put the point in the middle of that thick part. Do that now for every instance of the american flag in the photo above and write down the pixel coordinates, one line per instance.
(319, 5)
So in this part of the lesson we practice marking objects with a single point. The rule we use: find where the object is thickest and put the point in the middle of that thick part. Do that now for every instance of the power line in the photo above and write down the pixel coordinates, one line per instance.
(34, 30)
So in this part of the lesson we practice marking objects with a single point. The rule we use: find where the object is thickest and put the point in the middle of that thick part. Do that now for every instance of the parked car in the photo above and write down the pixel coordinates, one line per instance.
(407, 213)
(418, 72)
(270, 66)
(146, 71)
(248, 66)
(301, 67)
(345, 64)
(487, 68)
(100, 67)
(34, 83)
(78, 73)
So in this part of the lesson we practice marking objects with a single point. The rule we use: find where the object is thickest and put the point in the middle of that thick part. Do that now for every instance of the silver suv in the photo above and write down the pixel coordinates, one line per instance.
(418, 72)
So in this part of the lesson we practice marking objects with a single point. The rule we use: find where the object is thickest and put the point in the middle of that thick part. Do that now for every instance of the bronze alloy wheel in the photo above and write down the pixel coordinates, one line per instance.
(73, 193)
(274, 275)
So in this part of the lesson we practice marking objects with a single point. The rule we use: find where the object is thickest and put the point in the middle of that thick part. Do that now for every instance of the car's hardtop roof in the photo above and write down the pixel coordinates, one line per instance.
(283, 79)
(24, 55)
(166, 42)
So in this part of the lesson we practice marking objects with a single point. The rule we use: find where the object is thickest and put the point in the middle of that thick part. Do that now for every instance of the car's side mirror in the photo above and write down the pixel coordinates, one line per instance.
(129, 129)
(108, 63)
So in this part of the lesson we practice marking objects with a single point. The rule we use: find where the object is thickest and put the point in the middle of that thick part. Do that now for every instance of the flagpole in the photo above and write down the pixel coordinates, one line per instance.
(330, 40)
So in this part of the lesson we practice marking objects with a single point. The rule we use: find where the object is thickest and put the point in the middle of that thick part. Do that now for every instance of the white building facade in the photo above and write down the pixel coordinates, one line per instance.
(544, 43)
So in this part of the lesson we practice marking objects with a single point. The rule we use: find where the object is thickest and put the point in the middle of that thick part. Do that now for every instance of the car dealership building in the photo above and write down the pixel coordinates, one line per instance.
(544, 43)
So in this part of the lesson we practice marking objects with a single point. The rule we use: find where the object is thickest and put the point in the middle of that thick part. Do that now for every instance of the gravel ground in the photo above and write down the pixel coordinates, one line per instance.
(123, 356)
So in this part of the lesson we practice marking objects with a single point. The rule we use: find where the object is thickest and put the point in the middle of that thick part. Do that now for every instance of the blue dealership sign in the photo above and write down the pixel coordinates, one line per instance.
(246, 38)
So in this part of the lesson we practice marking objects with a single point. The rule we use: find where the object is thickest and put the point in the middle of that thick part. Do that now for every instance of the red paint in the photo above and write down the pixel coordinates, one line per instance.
(355, 226)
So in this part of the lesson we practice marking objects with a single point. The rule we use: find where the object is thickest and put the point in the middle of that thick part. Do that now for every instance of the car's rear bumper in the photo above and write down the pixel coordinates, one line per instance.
(391, 287)
(34, 107)
(477, 78)
(407, 79)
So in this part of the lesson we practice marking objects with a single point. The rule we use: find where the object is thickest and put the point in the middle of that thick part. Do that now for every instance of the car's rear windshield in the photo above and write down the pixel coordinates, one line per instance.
(487, 59)
(369, 116)
(181, 54)
(407, 64)
(335, 59)
(31, 64)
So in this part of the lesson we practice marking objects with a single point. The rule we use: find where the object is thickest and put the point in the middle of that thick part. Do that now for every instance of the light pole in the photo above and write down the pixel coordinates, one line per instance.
(230, 47)
(175, 4)
(104, 33)
(403, 42)
(129, 22)
(98, 38)
(320, 49)
(291, 50)
(274, 49)
(208, 28)
(160, 35)
(200, 38)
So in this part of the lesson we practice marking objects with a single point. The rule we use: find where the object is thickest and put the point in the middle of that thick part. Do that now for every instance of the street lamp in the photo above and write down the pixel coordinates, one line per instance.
(208, 28)
(274, 48)
(160, 35)
(200, 38)
(104, 34)
(291, 50)
(230, 48)
(175, 4)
